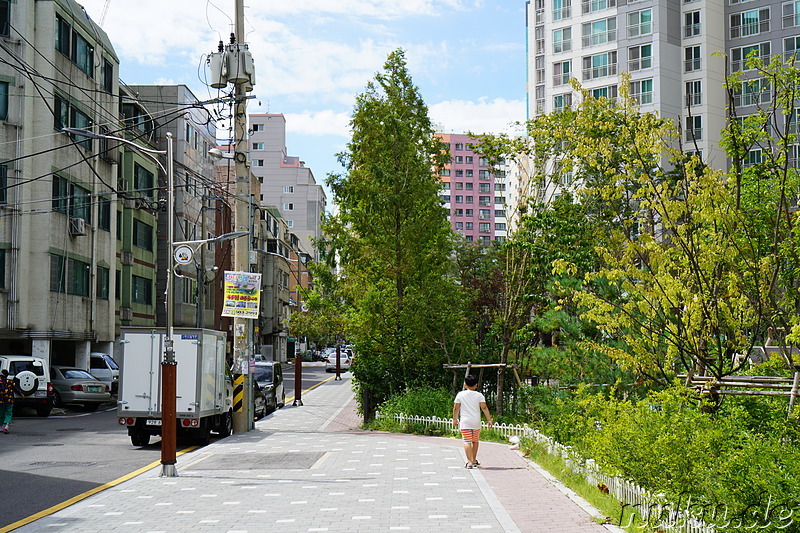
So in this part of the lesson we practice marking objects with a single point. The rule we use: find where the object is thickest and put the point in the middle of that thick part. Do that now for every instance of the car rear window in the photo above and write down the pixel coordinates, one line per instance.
(15, 367)
(263, 373)
(74, 373)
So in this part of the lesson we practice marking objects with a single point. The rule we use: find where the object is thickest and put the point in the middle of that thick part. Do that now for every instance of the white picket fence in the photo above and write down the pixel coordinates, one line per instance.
(649, 507)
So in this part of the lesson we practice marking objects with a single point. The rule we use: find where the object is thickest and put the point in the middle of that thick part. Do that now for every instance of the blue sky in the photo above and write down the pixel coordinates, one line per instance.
(313, 57)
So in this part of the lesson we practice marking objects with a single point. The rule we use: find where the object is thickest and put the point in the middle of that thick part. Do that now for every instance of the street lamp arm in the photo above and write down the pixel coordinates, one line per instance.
(151, 153)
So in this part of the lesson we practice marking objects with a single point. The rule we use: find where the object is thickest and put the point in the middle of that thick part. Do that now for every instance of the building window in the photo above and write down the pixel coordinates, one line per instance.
(142, 180)
(791, 14)
(562, 40)
(73, 45)
(68, 115)
(484, 227)
(694, 128)
(691, 55)
(485, 188)
(459, 173)
(104, 213)
(288, 207)
(609, 92)
(590, 6)
(791, 46)
(498, 200)
(445, 172)
(459, 212)
(740, 56)
(5, 22)
(562, 102)
(142, 235)
(749, 23)
(108, 76)
(500, 226)
(752, 92)
(460, 225)
(469, 186)
(469, 225)
(753, 157)
(640, 57)
(70, 199)
(599, 32)
(446, 198)
(468, 173)
(469, 213)
(561, 9)
(561, 73)
(258, 146)
(4, 85)
(484, 214)
(468, 199)
(500, 213)
(141, 290)
(459, 159)
(459, 186)
(459, 146)
(694, 93)
(258, 163)
(258, 127)
(483, 174)
(640, 23)
(69, 275)
(691, 24)
(468, 159)
(103, 279)
(642, 91)
(600, 65)
(485, 201)
(3, 184)
(459, 199)
(288, 189)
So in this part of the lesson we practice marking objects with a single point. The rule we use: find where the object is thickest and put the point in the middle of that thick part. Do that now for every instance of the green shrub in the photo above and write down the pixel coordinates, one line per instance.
(422, 401)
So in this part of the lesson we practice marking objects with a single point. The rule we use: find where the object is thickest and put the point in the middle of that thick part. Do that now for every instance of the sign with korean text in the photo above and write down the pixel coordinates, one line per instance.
(242, 292)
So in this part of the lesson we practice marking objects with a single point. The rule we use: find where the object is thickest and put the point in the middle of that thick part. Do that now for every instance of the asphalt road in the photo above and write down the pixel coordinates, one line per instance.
(46, 461)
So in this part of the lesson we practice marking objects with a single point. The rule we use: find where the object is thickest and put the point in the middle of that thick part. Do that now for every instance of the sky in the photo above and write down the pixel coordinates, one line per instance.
(312, 57)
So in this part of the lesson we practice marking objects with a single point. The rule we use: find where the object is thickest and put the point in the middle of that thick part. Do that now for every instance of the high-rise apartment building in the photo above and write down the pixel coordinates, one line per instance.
(285, 180)
(675, 52)
(473, 191)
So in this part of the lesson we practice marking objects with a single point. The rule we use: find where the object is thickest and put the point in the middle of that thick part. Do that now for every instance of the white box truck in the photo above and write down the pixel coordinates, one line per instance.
(204, 388)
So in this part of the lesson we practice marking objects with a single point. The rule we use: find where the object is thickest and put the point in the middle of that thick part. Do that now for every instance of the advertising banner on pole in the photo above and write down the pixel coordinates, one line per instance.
(242, 293)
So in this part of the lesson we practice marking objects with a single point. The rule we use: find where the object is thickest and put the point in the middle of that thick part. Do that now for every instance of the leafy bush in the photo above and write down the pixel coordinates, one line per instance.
(420, 401)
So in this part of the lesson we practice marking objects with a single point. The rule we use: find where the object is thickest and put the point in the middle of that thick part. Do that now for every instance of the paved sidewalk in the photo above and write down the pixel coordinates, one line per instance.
(310, 469)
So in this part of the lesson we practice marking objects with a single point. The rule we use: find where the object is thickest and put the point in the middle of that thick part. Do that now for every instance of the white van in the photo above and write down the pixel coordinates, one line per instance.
(103, 367)
(32, 377)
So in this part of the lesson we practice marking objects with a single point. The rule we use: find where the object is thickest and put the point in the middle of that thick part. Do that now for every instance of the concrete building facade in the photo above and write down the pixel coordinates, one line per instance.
(285, 180)
(58, 247)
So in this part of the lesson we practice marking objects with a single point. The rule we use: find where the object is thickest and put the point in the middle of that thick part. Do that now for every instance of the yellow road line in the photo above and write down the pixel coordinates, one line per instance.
(312, 387)
(126, 477)
(84, 495)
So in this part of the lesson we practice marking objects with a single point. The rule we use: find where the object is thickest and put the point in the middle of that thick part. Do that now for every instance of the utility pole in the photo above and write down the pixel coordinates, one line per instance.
(242, 344)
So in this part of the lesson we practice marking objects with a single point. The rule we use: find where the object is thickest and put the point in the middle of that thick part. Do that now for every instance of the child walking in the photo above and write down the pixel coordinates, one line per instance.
(467, 408)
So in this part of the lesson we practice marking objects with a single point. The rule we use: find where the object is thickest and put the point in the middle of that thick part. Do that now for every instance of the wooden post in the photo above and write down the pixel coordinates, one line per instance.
(516, 375)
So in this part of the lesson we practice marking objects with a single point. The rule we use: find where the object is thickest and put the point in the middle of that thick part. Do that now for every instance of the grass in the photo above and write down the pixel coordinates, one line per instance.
(612, 510)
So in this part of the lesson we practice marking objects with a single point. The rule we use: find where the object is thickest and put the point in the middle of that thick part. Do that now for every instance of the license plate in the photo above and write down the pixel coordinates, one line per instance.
(151, 422)
(40, 394)
(94, 389)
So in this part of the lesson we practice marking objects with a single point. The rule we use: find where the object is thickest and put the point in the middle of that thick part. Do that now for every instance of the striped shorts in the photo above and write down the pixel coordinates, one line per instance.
(471, 435)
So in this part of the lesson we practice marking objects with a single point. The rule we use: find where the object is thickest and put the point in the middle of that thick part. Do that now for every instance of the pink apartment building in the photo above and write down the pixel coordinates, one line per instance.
(473, 191)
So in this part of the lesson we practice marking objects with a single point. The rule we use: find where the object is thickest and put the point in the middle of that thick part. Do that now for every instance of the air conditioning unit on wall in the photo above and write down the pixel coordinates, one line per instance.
(77, 226)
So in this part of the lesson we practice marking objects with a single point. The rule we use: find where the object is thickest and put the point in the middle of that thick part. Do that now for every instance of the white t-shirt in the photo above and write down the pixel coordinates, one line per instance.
(470, 410)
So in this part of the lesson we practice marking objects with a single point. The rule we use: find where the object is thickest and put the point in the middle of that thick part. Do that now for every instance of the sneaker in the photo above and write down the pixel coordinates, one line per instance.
(5, 430)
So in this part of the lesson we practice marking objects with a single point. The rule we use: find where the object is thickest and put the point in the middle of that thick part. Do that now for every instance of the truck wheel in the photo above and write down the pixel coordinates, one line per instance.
(140, 439)
(226, 425)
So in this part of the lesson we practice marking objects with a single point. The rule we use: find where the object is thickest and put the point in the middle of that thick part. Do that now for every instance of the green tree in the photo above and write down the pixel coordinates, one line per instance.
(393, 241)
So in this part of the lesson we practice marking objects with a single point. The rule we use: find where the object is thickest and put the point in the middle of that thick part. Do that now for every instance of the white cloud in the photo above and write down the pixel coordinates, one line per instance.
(481, 116)
(314, 123)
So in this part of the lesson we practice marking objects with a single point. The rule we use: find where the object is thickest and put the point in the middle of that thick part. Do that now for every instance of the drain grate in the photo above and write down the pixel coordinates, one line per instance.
(62, 463)
(261, 461)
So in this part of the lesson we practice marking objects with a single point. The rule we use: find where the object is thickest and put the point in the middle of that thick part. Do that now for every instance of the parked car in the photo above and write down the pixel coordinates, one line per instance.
(32, 378)
(269, 376)
(259, 402)
(76, 386)
(105, 368)
(345, 358)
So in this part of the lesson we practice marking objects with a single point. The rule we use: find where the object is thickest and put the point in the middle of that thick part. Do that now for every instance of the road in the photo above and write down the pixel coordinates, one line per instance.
(46, 461)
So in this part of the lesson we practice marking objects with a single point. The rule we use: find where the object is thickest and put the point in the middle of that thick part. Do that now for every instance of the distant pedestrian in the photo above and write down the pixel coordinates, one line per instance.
(6, 400)
(467, 408)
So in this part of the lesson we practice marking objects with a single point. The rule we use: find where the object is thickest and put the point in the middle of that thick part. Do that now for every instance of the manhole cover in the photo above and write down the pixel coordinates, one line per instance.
(261, 461)
(48, 444)
(62, 463)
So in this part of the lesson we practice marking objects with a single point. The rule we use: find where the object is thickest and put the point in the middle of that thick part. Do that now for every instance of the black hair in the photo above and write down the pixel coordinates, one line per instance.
(470, 380)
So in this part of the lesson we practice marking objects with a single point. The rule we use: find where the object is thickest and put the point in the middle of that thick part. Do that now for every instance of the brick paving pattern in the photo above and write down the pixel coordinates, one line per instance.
(310, 468)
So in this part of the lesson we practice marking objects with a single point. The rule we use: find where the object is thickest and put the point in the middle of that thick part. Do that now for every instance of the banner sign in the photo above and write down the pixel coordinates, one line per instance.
(242, 292)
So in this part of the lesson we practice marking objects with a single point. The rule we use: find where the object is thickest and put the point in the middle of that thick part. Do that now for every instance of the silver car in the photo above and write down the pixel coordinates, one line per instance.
(345, 358)
(76, 386)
